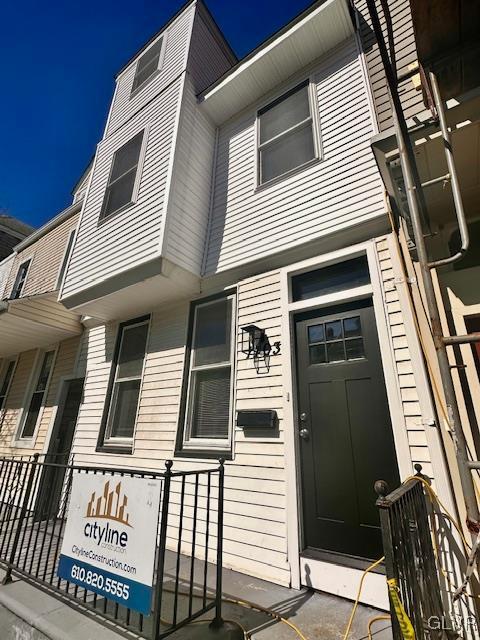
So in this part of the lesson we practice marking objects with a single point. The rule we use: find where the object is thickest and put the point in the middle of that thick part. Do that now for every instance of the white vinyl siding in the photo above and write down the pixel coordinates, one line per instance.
(342, 190)
(148, 65)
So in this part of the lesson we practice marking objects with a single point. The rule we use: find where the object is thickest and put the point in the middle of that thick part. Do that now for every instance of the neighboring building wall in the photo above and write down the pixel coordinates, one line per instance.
(405, 53)
(12, 231)
(19, 394)
(341, 190)
(47, 254)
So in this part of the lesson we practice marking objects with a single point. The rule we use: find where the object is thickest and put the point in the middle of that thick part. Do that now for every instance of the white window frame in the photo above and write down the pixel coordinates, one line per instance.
(28, 441)
(65, 258)
(313, 118)
(109, 440)
(4, 369)
(161, 57)
(28, 259)
(103, 218)
(210, 444)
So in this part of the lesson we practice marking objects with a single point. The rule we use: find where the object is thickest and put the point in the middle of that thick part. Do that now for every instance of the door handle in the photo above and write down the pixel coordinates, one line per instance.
(304, 433)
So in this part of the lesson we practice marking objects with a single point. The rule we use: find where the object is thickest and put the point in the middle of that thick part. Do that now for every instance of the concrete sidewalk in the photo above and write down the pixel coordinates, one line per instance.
(27, 613)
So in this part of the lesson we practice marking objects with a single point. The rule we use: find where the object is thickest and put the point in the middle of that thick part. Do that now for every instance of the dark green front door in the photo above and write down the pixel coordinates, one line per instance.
(346, 441)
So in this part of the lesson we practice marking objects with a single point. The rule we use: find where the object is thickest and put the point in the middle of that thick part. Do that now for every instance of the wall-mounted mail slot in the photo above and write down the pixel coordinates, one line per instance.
(257, 418)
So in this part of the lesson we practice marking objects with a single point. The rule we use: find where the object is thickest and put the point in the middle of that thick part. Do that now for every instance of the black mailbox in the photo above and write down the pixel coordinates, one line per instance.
(257, 418)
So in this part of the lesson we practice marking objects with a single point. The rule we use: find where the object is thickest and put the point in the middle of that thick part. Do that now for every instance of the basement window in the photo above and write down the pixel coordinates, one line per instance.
(126, 379)
(286, 138)
(206, 412)
(122, 187)
(148, 65)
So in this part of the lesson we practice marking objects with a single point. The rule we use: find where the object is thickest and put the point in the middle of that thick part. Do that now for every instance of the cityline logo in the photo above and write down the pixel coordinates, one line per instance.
(110, 506)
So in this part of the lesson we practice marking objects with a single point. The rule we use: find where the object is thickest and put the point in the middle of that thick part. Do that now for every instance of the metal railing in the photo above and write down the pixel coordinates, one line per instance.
(186, 583)
(410, 564)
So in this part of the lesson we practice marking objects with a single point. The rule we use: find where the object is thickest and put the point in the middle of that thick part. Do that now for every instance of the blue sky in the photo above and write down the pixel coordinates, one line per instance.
(57, 66)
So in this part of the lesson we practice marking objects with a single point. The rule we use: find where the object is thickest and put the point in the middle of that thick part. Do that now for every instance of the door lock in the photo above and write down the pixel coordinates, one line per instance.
(303, 416)
(304, 433)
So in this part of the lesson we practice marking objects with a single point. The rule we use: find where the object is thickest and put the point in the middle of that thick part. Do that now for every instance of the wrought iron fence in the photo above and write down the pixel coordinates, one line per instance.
(410, 561)
(34, 499)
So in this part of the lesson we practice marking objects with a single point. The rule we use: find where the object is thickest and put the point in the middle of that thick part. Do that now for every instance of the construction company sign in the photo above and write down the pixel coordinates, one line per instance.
(110, 535)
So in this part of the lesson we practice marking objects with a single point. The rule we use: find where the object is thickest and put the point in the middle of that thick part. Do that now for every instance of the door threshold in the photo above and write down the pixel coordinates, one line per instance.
(342, 559)
(340, 580)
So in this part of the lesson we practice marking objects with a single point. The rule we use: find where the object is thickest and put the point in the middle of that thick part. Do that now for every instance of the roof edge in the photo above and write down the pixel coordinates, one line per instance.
(49, 226)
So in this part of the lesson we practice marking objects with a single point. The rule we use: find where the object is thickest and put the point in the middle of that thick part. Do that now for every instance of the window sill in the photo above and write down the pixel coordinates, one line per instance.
(24, 443)
(114, 449)
(203, 453)
(288, 174)
(103, 220)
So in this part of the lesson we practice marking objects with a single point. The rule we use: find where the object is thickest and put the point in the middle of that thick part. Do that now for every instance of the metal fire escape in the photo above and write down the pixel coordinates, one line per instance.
(414, 191)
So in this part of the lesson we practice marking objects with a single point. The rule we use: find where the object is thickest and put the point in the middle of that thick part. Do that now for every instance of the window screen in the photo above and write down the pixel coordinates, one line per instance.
(20, 279)
(38, 396)
(121, 183)
(331, 279)
(147, 65)
(285, 134)
(127, 381)
(210, 376)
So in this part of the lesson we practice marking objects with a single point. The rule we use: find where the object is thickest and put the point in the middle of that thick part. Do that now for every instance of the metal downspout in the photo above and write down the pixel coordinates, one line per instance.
(406, 161)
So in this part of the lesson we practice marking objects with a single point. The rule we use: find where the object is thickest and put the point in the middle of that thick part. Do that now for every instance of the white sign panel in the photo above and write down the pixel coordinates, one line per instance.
(110, 536)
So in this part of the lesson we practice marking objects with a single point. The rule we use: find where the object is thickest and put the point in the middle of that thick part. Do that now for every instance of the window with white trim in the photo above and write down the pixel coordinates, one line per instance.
(5, 381)
(127, 379)
(38, 396)
(147, 65)
(286, 134)
(66, 256)
(207, 405)
(20, 279)
(122, 182)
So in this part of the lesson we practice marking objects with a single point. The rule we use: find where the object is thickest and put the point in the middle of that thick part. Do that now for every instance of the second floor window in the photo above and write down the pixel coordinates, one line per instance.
(120, 190)
(20, 279)
(147, 65)
(38, 396)
(286, 134)
(124, 395)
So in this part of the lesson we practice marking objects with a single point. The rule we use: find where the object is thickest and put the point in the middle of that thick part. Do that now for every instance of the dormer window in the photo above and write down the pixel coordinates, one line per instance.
(147, 65)
(123, 181)
(286, 134)
(20, 279)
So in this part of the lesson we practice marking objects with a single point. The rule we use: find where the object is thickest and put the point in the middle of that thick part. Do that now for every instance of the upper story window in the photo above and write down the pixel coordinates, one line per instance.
(207, 402)
(124, 393)
(20, 279)
(122, 182)
(286, 134)
(66, 256)
(147, 65)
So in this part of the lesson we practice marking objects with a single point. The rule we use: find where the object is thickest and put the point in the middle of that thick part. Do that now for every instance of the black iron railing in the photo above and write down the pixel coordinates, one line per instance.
(186, 583)
(409, 559)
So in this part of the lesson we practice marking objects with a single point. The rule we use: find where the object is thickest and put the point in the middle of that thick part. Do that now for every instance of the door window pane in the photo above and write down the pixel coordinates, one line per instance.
(317, 354)
(333, 330)
(336, 341)
(335, 352)
(316, 333)
(352, 327)
(354, 349)
(331, 279)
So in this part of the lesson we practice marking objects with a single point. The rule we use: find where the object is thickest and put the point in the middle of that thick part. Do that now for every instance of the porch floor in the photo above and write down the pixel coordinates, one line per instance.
(317, 615)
